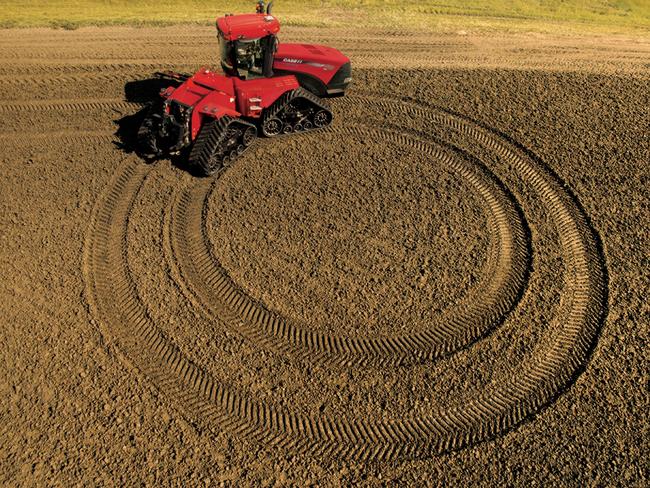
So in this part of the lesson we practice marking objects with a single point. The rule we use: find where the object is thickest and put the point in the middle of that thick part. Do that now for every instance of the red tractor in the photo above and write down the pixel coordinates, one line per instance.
(267, 87)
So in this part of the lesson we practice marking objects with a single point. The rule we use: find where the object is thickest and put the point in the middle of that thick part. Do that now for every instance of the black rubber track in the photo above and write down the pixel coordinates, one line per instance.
(207, 145)
(281, 103)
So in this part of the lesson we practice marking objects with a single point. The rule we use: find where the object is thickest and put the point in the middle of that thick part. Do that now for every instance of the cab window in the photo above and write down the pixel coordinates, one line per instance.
(225, 52)
(250, 58)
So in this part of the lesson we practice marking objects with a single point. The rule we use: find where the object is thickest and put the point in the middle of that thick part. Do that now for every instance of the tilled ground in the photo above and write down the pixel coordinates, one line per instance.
(445, 286)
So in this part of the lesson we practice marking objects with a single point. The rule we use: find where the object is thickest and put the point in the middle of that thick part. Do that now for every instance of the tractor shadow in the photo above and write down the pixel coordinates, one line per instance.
(143, 92)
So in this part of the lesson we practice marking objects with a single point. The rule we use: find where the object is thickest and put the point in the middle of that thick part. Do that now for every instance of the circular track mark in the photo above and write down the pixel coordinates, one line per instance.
(550, 368)
(68, 106)
(456, 327)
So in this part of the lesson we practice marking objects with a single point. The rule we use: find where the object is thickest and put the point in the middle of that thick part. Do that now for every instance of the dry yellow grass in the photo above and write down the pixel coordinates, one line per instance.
(441, 15)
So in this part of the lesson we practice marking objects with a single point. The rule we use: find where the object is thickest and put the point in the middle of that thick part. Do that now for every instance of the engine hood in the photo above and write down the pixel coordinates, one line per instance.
(321, 62)
(311, 53)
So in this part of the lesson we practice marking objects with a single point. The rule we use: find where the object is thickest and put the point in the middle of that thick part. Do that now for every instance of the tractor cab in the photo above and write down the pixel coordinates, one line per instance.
(249, 49)
(247, 44)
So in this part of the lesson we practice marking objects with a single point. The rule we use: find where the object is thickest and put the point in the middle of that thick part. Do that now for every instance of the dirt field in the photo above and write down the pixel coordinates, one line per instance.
(448, 286)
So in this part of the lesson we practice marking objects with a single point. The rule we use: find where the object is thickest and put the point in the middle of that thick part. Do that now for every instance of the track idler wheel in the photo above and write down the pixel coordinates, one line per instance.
(322, 118)
(272, 127)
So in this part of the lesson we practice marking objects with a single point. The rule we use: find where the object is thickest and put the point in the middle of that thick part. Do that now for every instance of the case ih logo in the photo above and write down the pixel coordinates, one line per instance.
(326, 67)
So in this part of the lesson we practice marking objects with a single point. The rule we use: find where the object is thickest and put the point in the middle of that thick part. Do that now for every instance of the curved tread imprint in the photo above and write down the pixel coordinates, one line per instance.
(113, 297)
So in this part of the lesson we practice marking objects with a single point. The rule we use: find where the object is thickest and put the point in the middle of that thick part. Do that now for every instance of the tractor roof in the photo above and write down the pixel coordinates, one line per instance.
(247, 26)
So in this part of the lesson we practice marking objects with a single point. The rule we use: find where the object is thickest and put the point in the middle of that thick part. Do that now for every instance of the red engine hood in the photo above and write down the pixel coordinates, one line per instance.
(320, 61)
(311, 53)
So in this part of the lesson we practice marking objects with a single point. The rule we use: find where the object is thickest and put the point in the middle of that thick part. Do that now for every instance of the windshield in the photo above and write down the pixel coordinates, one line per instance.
(250, 58)
(245, 57)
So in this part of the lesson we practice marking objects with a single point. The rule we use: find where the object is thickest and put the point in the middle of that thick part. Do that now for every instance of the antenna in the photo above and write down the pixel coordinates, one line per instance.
(269, 7)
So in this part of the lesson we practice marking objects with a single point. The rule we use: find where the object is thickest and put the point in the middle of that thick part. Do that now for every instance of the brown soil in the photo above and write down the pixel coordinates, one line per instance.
(445, 287)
